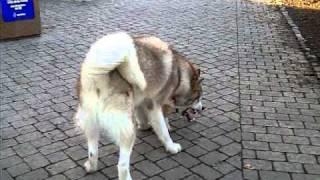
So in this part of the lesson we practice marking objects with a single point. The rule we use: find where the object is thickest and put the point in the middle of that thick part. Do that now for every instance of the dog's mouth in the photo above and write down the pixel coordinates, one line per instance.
(190, 113)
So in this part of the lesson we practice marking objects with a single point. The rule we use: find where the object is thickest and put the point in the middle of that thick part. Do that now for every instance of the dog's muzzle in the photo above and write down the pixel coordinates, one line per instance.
(198, 107)
(190, 113)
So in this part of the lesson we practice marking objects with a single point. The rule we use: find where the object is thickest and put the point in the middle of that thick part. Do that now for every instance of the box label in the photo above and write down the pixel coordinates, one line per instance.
(15, 10)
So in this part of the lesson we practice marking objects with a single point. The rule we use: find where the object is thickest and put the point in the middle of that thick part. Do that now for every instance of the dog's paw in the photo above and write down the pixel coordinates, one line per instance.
(173, 148)
(89, 167)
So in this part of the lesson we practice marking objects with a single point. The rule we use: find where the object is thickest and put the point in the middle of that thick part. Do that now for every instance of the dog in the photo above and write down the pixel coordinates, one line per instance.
(126, 82)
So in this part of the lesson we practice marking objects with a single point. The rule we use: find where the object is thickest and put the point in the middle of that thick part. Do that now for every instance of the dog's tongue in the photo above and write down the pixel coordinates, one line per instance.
(189, 114)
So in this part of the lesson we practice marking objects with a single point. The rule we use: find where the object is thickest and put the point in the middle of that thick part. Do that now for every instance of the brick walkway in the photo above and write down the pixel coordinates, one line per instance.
(263, 116)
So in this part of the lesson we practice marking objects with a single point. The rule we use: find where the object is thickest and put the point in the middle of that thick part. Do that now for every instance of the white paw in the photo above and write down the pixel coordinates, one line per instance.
(89, 166)
(173, 148)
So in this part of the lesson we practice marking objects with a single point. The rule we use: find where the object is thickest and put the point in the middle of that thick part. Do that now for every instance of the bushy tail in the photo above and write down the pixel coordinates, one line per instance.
(113, 51)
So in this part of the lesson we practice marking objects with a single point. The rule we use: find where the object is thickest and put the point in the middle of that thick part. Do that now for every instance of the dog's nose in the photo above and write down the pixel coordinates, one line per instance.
(203, 108)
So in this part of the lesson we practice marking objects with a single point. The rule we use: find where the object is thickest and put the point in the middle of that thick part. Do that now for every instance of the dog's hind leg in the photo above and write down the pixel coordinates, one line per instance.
(159, 125)
(92, 135)
(126, 144)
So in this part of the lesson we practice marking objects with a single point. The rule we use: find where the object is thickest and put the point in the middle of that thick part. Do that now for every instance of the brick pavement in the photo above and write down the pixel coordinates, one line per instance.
(263, 99)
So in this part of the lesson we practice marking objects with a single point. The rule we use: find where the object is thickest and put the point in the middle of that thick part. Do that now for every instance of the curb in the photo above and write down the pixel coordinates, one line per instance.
(313, 60)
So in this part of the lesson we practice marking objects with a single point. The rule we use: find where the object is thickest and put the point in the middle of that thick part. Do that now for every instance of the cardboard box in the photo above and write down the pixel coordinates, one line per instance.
(19, 18)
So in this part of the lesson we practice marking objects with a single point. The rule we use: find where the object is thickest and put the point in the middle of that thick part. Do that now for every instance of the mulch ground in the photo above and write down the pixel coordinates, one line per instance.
(307, 18)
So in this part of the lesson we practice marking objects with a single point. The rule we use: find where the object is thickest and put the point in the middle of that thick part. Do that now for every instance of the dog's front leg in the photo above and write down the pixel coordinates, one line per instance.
(91, 164)
(159, 125)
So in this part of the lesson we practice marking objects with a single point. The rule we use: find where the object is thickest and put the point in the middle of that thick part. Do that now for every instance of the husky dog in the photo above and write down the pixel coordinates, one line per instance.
(124, 83)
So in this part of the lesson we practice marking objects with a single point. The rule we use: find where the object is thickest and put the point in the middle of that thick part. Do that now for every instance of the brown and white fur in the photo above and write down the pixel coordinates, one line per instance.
(124, 83)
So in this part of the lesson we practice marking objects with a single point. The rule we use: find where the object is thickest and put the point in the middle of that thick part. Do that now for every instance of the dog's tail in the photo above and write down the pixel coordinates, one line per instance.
(115, 51)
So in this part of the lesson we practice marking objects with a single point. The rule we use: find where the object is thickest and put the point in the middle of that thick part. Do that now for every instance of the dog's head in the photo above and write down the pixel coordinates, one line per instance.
(189, 92)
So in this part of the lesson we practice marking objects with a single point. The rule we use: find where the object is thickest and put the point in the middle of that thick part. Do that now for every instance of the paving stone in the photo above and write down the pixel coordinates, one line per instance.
(312, 168)
(235, 161)
(197, 127)
(29, 137)
(156, 154)
(57, 156)
(295, 140)
(304, 176)
(301, 158)
(270, 175)
(250, 174)
(10, 161)
(268, 137)
(288, 167)
(206, 172)
(76, 153)
(137, 175)
(231, 149)
(212, 132)
(36, 161)
(196, 151)
(54, 147)
(57, 177)
(307, 132)
(255, 145)
(167, 163)
(222, 140)
(187, 134)
(143, 148)
(176, 173)
(206, 144)
(5, 175)
(281, 147)
(291, 124)
(44, 126)
(234, 175)
(224, 167)
(94, 176)
(213, 157)
(9, 132)
(153, 141)
(110, 160)
(60, 166)
(185, 159)
(248, 136)
(34, 175)
(75, 173)
(6, 153)
(193, 177)
(18, 169)
(40, 142)
(148, 168)
(110, 172)
(250, 154)
(25, 149)
(280, 131)
(310, 149)
(156, 178)
(270, 155)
